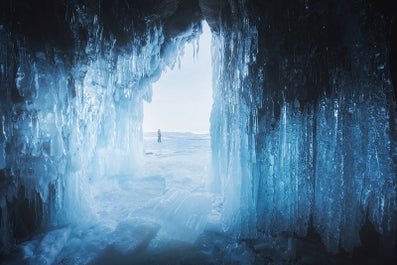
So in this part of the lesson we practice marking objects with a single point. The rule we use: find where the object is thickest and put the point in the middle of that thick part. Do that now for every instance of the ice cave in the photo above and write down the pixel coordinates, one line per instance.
(299, 166)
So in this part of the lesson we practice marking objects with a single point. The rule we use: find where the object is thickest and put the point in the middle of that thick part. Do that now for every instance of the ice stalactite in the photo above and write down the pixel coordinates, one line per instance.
(72, 102)
(233, 123)
(303, 126)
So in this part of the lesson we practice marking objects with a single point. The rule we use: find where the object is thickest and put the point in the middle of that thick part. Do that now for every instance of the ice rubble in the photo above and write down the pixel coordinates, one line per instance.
(303, 125)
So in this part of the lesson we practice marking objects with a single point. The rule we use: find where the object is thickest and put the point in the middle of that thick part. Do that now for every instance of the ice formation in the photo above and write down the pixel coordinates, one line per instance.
(318, 147)
(307, 124)
(303, 127)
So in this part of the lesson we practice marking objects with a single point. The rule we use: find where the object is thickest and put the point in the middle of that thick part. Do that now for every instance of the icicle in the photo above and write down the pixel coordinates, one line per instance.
(196, 48)
(194, 51)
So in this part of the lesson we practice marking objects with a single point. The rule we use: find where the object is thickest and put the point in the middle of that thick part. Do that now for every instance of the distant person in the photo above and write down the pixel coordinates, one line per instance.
(158, 136)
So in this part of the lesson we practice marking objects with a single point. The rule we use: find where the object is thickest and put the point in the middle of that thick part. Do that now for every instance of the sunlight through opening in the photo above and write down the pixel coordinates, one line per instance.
(179, 164)
(182, 98)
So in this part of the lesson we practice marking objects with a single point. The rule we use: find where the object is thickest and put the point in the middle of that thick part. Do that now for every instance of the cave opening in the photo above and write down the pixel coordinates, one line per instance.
(180, 107)
(161, 186)
(181, 100)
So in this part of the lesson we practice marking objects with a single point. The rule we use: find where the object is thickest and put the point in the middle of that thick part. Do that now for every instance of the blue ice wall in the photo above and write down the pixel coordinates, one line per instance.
(234, 120)
(73, 81)
(303, 124)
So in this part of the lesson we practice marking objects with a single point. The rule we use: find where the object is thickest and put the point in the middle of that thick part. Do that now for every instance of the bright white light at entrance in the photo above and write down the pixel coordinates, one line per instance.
(182, 98)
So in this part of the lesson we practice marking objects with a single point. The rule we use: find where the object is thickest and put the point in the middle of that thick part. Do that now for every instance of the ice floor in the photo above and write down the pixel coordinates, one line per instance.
(161, 215)
(155, 214)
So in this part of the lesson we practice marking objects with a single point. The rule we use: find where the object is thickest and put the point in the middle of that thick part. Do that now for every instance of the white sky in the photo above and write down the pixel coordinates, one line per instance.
(182, 98)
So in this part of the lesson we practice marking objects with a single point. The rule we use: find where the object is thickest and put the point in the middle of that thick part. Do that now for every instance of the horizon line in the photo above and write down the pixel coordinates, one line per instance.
(155, 131)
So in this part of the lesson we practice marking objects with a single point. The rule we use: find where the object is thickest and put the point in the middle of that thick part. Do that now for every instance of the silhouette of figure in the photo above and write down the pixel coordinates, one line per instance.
(158, 136)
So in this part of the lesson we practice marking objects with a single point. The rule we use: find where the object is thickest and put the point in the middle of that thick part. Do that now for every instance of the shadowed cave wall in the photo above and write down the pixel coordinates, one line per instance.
(302, 127)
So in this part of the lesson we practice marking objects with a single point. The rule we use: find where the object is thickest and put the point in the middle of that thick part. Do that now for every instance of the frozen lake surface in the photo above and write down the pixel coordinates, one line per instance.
(161, 214)
(155, 213)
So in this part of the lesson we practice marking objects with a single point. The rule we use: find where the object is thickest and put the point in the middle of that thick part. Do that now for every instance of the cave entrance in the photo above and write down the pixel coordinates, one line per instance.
(182, 98)
(170, 190)
(180, 108)
(176, 169)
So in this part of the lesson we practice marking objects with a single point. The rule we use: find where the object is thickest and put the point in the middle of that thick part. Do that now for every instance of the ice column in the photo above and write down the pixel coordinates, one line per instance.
(233, 125)
(304, 129)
